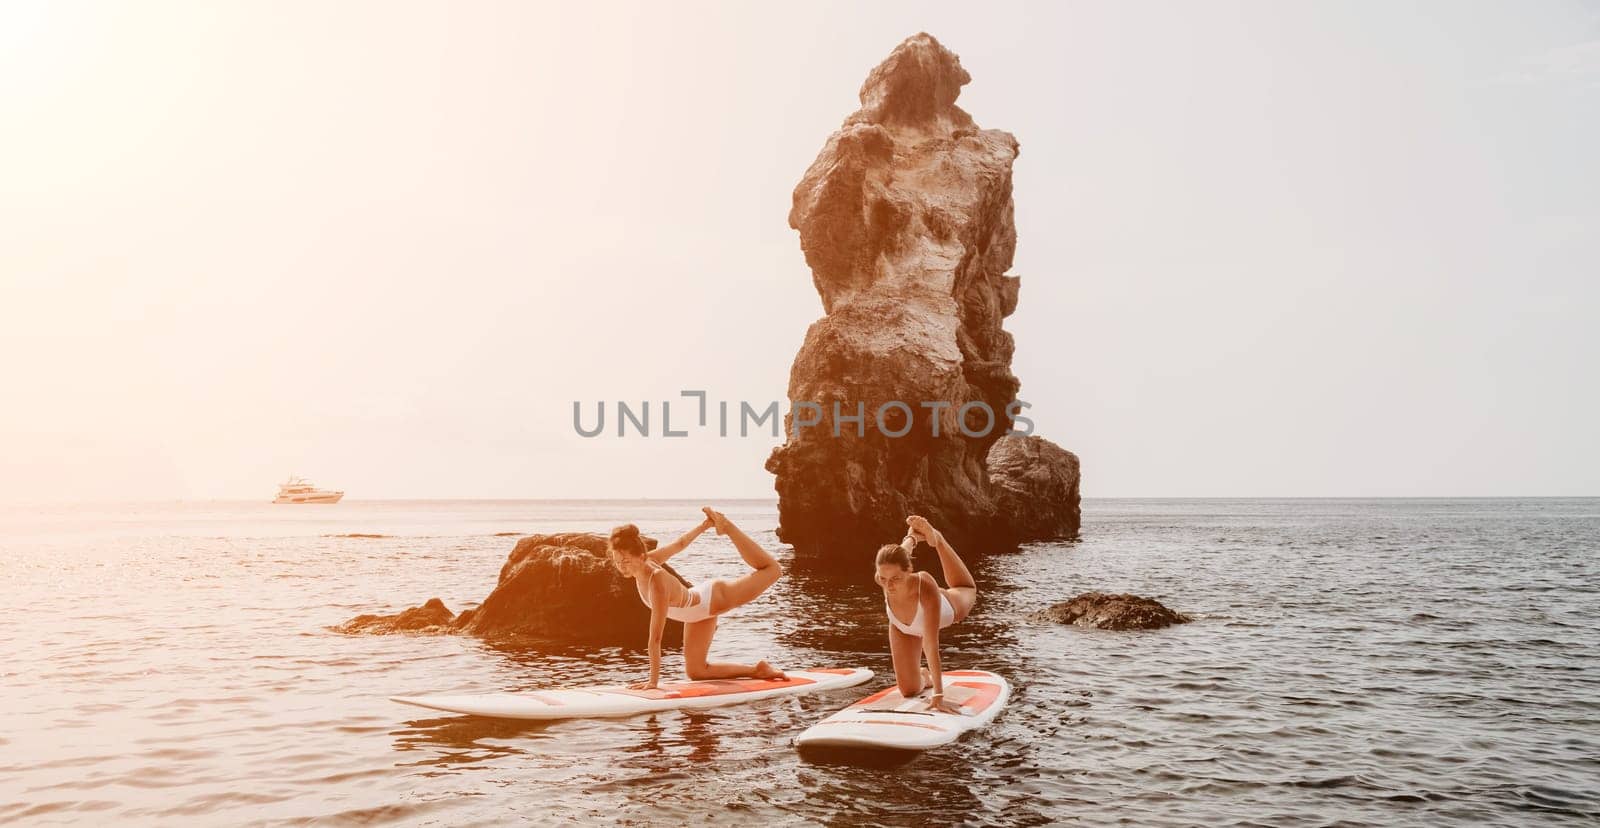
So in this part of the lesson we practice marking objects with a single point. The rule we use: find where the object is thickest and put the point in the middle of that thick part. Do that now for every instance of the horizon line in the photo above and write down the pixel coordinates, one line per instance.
(771, 498)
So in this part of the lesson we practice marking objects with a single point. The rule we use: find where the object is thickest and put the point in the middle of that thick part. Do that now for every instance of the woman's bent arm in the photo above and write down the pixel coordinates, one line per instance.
(661, 553)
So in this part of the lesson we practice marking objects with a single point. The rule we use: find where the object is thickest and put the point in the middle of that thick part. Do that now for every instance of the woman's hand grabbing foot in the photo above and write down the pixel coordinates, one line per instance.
(718, 519)
(918, 527)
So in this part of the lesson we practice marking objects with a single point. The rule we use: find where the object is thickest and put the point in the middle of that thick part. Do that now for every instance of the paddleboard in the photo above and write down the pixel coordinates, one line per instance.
(604, 702)
(887, 720)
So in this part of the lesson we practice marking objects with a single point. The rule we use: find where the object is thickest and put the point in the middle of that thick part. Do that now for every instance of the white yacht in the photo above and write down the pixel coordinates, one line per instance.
(297, 490)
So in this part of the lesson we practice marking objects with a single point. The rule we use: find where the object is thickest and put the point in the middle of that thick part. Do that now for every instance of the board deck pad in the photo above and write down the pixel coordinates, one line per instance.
(609, 701)
(955, 694)
(886, 720)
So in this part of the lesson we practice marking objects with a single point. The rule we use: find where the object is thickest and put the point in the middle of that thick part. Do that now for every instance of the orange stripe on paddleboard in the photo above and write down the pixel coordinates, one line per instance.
(986, 695)
(723, 688)
(876, 697)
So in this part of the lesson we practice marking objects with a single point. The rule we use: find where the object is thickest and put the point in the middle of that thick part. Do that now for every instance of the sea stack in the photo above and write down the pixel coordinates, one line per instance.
(905, 219)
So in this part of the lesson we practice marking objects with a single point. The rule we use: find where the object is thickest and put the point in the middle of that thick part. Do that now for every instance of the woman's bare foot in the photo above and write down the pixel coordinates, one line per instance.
(719, 521)
(769, 672)
(927, 679)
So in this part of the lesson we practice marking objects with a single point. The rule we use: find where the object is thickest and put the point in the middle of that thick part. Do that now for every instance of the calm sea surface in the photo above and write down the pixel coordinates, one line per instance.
(1386, 662)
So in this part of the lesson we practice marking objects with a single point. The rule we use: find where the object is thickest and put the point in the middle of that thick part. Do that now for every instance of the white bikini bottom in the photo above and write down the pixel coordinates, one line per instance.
(699, 608)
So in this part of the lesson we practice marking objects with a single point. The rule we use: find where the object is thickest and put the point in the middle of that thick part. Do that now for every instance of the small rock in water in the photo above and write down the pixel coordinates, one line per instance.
(432, 617)
(1112, 612)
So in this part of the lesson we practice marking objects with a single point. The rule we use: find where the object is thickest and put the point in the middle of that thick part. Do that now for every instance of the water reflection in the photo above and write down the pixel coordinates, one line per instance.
(664, 736)
(857, 758)
(893, 788)
(459, 740)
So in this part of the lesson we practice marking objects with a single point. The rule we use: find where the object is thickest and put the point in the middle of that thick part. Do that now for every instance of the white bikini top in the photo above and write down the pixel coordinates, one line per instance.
(693, 596)
(947, 615)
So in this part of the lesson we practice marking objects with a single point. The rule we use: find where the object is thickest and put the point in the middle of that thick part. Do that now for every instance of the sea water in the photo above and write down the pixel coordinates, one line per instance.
(1364, 662)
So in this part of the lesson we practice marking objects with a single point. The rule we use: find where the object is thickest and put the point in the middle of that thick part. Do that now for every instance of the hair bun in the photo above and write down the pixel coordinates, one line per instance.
(625, 538)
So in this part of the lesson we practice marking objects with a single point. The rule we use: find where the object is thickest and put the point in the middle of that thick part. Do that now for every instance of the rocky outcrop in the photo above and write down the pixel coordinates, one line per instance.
(559, 587)
(905, 218)
(1112, 612)
(564, 586)
(1035, 487)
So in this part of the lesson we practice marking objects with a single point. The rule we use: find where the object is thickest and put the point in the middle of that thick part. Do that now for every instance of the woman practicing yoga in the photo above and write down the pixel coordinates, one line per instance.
(916, 597)
(698, 608)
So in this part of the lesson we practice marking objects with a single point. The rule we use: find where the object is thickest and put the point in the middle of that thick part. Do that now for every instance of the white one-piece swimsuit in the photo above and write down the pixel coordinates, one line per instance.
(698, 608)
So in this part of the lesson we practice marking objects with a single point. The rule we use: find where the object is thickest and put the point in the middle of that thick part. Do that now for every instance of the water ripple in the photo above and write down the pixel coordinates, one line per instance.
(1352, 663)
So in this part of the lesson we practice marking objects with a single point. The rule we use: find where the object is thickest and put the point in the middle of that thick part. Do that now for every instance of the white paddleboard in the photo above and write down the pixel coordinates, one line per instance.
(887, 720)
(602, 702)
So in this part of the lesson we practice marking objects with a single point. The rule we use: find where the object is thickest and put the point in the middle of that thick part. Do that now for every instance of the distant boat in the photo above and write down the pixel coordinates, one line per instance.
(298, 490)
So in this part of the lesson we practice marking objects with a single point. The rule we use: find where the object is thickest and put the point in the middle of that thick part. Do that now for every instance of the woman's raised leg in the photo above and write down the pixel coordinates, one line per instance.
(727, 595)
(961, 589)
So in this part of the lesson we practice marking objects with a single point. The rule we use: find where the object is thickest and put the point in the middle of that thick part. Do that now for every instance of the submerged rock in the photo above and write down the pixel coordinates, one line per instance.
(559, 587)
(431, 617)
(905, 218)
(1112, 612)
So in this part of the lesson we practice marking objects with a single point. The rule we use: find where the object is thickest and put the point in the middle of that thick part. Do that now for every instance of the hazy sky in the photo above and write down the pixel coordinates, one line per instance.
(1266, 248)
